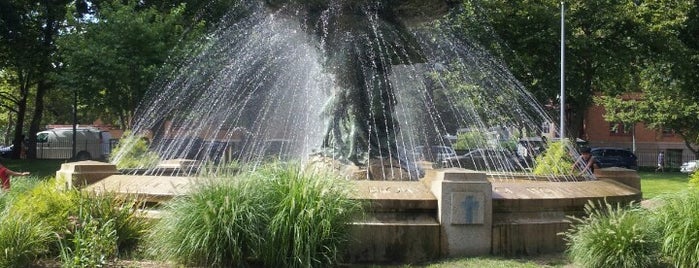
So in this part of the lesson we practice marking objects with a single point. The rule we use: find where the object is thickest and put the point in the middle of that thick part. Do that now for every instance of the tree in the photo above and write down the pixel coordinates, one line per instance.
(603, 42)
(622, 110)
(27, 55)
(669, 98)
(113, 57)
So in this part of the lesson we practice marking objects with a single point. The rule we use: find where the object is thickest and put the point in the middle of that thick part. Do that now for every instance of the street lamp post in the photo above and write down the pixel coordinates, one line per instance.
(75, 121)
(563, 91)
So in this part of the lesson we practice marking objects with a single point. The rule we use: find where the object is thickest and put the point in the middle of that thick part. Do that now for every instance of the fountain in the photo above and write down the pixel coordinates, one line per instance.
(359, 82)
(373, 85)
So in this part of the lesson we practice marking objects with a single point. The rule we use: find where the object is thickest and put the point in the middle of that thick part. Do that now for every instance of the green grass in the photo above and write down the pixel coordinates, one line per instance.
(38, 168)
(656, 184)
(550, 260)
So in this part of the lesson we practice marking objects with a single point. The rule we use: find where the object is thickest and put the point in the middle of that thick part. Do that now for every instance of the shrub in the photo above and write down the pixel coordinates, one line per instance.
(92, 244)
(22, 241)
(132, 152)
(310, 220)
(556, 160)
(19, 188)
(679, 222)
(470, 140)
(612, 237)
(219, 223)
(277, 215)
(47, 204)
(119, 212)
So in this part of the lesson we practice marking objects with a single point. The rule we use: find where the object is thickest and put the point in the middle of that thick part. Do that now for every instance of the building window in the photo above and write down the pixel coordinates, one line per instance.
(620, 129)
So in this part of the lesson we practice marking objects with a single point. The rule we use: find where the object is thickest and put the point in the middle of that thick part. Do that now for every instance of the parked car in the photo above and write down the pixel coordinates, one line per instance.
(6, 151)
(485, 159)
(688, 167)
(614, 157)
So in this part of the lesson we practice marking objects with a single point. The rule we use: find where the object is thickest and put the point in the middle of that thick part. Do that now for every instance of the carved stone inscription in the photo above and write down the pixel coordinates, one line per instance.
(467, 208)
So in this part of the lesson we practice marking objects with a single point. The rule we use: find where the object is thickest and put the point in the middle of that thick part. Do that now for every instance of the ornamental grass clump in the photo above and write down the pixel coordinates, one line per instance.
(220, 223)
(310, 217)
(277, 216)
(121, 213)
(22, 240)
(104, 227)
(678, 218)
(613, 237)
(92, 243)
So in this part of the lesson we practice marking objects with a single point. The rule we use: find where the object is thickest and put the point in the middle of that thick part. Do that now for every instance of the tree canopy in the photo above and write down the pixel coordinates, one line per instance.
(111, 51)
(111, 58)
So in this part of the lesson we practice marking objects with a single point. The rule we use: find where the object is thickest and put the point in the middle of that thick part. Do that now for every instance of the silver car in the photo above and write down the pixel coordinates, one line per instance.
(688, 167)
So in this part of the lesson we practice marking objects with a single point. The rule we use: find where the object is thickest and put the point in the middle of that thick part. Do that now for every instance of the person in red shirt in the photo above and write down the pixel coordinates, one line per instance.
(5, 174)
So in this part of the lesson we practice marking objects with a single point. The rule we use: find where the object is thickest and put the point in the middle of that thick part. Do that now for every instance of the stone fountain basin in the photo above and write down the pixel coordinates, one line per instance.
(404, 222)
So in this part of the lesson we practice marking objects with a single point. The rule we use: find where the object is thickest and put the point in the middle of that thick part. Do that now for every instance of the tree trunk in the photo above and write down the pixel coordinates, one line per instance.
(578, 110)
(44, 84)
(18, 136)
(35, 124)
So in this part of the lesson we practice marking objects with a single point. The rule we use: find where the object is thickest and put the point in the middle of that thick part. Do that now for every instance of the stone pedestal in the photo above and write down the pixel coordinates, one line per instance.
(625, 176)
(465, 212)
(79, 174)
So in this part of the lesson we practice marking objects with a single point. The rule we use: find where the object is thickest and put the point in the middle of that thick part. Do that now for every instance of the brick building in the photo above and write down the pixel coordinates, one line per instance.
(648, 142)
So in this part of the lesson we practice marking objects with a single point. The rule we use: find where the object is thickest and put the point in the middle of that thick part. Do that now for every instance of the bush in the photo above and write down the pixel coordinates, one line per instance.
(277, 215)
(92, 244)
(311, 213)
(556, 160)
(22, 240)
(612, 237)
(105, 226)
(471, 140)
(219, 223)
(119, 212)
(19, 188)
(47, 204)
(132, 152)
(679, 221)
(66, 213)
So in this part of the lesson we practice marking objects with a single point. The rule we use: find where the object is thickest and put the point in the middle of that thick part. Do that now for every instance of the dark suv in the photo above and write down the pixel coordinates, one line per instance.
(614, 157)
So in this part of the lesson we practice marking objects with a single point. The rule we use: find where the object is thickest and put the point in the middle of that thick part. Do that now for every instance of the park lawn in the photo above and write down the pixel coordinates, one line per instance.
(558, 260)
(38, 168)
(655, 184)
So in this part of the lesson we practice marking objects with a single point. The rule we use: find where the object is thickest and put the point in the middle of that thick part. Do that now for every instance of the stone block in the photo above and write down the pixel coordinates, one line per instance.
(625, 176)
(79, 174)
(393, 239)
(465, 212)
(399, 225)
(528, 215)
